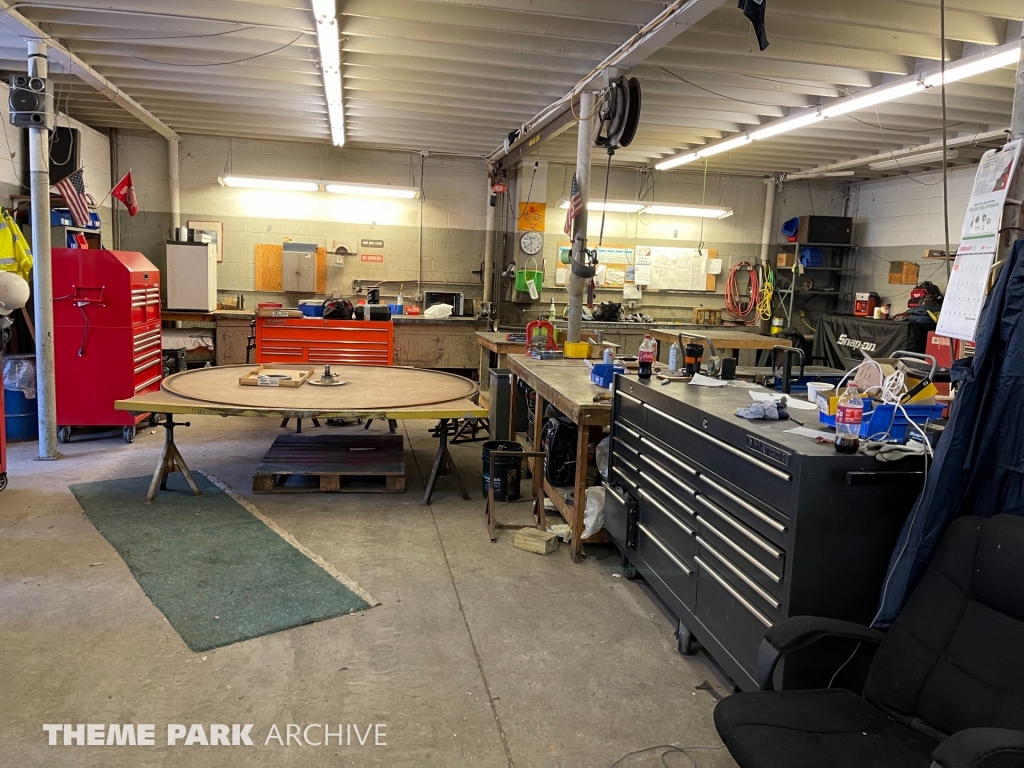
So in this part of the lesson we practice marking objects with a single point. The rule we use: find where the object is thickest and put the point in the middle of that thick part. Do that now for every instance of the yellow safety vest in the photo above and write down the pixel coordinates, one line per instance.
(15, 255)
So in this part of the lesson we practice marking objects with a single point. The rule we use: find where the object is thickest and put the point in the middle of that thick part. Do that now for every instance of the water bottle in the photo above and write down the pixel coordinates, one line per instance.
(849, 415)
(673, 358)
(647, 355)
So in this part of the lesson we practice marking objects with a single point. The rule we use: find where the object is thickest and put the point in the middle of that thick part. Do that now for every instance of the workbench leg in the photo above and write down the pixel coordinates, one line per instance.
(514, 381)
(170, 461)
(579, 496)
(441, 460)
(537, 465)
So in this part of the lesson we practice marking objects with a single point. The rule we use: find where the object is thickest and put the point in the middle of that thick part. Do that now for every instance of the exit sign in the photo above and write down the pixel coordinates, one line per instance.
(378, 257)
(371, 243)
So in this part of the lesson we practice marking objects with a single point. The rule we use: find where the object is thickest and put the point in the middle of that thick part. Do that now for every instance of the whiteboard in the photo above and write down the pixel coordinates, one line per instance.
(672, 269)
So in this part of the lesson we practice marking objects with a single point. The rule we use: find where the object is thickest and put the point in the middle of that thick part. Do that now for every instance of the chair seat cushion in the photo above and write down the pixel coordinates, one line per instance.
(817, 729)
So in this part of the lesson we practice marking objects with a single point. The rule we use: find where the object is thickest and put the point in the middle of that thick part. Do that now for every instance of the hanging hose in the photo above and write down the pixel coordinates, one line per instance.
(764, 304)
(735, 303)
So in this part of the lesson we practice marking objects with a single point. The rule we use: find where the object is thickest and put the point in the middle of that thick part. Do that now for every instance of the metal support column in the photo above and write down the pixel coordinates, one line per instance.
(1013, 213)
(42, 270)
(769, 215)
(489, 247)
(584, 145)
(173, 185)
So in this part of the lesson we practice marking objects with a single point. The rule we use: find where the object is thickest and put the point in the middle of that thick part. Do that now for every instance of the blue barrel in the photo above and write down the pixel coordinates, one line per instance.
(21, 417)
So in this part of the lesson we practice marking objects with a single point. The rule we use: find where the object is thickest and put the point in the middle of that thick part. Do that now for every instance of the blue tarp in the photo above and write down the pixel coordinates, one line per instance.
(979, 464)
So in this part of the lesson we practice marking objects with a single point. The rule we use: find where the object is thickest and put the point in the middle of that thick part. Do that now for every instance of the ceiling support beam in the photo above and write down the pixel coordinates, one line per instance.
(666, 26)
(71, 64)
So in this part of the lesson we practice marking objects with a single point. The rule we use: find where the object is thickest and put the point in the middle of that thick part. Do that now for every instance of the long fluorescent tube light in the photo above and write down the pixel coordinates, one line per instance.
(695, 211)
(327, 39)
(725, 146)
(612, 206)
(675, 162)
(974, 66)
(371, 190)
(872, 98)
(257, 182)
(785, 125)
(922, 158)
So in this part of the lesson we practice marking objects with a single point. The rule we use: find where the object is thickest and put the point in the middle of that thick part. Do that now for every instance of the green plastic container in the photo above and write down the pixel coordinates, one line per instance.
(525, 276)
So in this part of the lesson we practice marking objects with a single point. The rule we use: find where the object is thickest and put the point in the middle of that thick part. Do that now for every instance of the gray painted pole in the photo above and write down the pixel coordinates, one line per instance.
(173, 185)
(584, 145)
(1012, 218)
(489, 246)
(42, 270)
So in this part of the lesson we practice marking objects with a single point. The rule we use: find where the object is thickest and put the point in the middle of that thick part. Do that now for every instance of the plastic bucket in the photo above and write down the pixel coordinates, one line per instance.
(312, 308)
(508, 470)
(21, 417)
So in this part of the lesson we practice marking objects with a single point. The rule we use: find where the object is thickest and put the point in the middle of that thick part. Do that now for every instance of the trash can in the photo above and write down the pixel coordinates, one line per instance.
(21, 408)
(507, 470)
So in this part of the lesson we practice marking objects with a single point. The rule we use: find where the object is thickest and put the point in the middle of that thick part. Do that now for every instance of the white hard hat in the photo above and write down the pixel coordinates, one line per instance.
(14, 292)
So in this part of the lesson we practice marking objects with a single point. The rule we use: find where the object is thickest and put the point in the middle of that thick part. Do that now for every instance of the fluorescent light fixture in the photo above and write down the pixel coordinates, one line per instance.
(785, 125)
(872, 98)
(922, 158)
(612, 206)
(327, 39)
(371, 190)
(974, 66)
(725, 146)
(262, 182)
(674, 162)
(695, 211)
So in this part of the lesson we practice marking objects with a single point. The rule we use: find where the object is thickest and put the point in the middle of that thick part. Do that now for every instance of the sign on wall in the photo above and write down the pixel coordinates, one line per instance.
(374, 257)
(371, 243)
(532, 217)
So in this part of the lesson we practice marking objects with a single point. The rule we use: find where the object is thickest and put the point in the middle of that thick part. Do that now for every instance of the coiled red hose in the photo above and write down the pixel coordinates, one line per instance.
(734, 304)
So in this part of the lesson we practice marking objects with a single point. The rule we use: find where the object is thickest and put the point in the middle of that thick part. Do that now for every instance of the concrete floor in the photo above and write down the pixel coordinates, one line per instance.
(479, 654)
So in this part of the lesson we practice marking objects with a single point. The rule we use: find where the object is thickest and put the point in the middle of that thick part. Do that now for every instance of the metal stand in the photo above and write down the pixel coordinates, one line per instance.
(392, 425)
(170, 461)
(441, 461)
(539, 515)
(298, 424)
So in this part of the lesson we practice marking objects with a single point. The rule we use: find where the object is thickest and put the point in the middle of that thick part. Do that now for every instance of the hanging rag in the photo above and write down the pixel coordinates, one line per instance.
(754, 10)
(15, 255)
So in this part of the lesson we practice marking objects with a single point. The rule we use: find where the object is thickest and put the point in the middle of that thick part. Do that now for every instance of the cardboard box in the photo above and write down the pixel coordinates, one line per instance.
(786, 259)
(277, 312)
(903, 273)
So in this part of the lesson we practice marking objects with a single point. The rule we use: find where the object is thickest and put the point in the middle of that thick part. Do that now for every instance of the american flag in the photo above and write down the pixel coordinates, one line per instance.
(575, 205)
(72, 189)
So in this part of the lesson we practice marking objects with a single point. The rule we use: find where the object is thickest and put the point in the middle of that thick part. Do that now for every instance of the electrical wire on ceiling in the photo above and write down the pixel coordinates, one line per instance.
(223, 63)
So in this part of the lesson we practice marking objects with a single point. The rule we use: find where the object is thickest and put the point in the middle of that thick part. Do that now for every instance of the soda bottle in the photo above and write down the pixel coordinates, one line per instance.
(849, 414)
(647, 355)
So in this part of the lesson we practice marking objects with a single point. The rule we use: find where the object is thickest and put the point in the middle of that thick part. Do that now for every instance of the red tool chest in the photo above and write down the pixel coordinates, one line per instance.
(316, 340)
(107, 337)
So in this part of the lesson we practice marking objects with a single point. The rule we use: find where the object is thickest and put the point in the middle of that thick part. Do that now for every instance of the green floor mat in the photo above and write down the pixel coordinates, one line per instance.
(217, 572)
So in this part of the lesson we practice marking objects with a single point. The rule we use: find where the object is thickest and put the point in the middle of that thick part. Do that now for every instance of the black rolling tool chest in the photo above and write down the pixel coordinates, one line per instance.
(737, 524)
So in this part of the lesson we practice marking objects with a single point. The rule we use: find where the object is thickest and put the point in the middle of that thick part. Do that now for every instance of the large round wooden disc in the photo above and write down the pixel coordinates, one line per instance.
(369, 388)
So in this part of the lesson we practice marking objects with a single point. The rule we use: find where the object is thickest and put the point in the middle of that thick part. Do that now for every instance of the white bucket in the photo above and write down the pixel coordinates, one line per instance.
(814, 387)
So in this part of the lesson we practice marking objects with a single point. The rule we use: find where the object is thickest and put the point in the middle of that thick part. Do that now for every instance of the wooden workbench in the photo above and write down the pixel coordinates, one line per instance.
(566, 385)
(498, 344)
(724, 341)
(295, 405)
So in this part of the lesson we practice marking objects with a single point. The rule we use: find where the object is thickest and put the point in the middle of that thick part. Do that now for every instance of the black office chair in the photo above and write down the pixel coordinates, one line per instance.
(945, 688)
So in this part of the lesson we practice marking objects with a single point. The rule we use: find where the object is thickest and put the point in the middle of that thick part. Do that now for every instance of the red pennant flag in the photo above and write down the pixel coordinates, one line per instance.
(124, 191)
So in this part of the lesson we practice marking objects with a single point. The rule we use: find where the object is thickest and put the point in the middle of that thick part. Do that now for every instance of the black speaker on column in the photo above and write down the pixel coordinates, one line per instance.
(31, 102)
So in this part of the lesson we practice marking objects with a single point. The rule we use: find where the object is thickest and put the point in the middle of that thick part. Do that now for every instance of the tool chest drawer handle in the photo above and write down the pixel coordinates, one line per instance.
(623, 444)
(736, 595)
(722, 514)
(615, 494)
(746, 505)
(625, 478)
(739, 550)
(722, 444)
(739, 574)
(666, 491)
(668, 553)
(138, 348)
(629, 464)
(151, 381)
(673, 478)
(678, 462)
(664, 510)
(635, 435)
(631, 399)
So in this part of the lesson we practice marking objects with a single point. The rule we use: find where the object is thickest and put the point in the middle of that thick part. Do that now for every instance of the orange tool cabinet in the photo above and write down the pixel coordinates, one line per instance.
(316, 340)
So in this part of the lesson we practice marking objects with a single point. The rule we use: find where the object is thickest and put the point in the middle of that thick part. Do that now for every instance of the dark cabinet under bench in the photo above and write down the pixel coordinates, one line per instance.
(737, 524)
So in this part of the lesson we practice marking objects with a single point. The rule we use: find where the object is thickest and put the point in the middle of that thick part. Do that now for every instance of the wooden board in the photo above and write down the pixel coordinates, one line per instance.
(369, 387)
(268, 267)
(321, 270)
(533, 540)
(358, 462)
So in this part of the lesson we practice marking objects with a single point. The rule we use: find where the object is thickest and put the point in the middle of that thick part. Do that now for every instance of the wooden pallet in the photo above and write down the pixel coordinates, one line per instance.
(345, 463)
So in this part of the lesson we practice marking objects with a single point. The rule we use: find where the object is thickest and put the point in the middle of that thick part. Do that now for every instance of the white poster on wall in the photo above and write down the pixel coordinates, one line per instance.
(980, 232)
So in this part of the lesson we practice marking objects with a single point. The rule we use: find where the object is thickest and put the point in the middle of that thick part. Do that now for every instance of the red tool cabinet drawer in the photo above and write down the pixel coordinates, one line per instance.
(319, 341)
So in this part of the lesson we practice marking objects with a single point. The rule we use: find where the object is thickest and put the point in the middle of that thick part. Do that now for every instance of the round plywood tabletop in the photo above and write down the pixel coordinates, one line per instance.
(368, 387)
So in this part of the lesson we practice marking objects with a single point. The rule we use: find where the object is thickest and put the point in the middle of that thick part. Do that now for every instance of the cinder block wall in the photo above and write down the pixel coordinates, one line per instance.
(899, 219)
(453, 210)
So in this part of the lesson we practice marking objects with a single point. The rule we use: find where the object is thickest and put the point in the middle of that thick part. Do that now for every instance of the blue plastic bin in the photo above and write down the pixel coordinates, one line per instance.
(603, 374)
(397, 309)
(311, 308)
(881, 419)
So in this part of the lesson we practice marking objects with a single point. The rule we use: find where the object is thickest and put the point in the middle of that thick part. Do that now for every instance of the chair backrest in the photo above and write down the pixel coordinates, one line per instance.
(954, 658)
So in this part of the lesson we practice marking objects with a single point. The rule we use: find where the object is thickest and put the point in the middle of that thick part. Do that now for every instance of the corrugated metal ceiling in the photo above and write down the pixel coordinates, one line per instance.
(457, 76)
